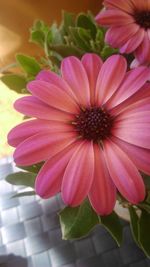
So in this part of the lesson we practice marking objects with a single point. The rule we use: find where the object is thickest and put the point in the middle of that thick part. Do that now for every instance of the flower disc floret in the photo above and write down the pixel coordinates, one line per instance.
(93, 124)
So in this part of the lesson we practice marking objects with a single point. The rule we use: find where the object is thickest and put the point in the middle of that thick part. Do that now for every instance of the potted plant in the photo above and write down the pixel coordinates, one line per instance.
(89, 138)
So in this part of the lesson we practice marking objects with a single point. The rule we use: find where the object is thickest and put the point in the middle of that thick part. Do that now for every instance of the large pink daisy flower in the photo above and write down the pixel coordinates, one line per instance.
(92, 129)
(129, 26)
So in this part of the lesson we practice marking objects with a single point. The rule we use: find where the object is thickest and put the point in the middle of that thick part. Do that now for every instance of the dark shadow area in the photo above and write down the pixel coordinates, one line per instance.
(12, 260)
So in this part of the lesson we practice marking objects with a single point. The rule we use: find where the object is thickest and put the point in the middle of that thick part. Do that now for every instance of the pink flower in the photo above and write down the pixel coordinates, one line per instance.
(92, 129)
(129, 26)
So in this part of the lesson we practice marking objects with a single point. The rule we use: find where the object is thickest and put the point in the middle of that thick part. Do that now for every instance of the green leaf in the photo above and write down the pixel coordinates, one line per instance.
(65, 50)
(37, 37)
(54, 35)
(100, 37)
(28, 64)
(113, 225)
(77, 222)
(108, 51)
(15, 82)
(39, 32)
(144, 226)
(22, 178)
(84, 35)
(134, 220)
(85, 22)
(78, 38)
(68, 21)
(39, 25)
(24, 194)
(33, 168)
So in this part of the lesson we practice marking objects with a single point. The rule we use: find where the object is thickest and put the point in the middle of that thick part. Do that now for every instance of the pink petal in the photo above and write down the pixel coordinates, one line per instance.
(124, 173)
(33, 107)
(102, 194)
(148, 33)
(49, 179)
(53, 96)
(140, 105)
(92, 64)
(125, 5)
(130, 112)
(148, 3)
(134, 117)
(142, 53)
(44, 75)
(28, 128)
(78, 176)
(141, 5)
(55, 79)
(134, 64)
(132, 125)
(133, 42)
(139, 156)
(133, 81)
(42, 146)
(109, 79)
(135, 135)
(75, 75)
(113, 17)
(143, 93)
(117, 36)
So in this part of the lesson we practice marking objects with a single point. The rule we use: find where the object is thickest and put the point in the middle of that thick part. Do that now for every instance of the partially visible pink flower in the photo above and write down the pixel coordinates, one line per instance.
(129, 27)
(92, 129)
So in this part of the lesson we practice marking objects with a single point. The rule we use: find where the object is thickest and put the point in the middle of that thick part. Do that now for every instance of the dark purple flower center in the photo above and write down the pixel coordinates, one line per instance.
(93, 124)
(142, 18)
